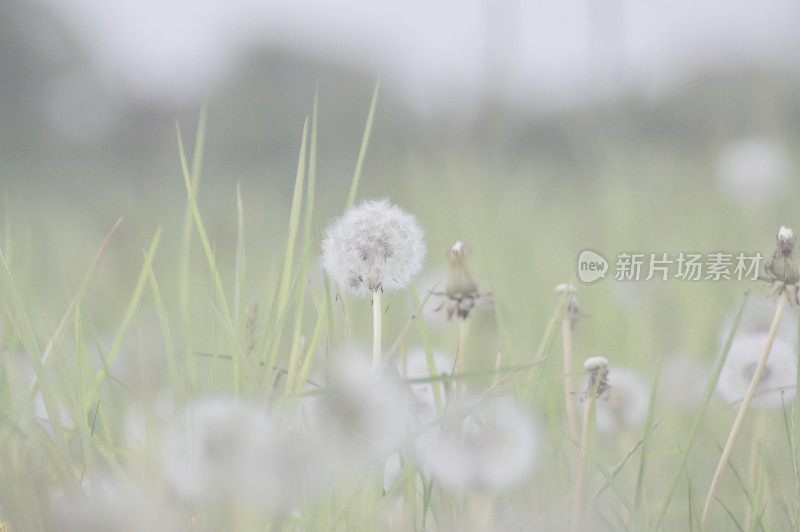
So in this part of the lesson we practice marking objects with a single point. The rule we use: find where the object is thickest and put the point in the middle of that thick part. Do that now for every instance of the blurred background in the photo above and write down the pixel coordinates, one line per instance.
(530, 130)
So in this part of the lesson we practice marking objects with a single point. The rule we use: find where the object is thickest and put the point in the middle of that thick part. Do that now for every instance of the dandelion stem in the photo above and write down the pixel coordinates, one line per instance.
(463, 332)
(737, 424)
(753, 472)
(377, 312)
(588, 420)
(569, 383)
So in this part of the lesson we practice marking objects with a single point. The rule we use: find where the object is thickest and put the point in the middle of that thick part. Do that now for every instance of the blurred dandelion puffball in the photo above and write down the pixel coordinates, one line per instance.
(624, 404)
(490, 447)
(777, 383)
(227, 448)
(754, 171)
(374, 246)
(361, 417)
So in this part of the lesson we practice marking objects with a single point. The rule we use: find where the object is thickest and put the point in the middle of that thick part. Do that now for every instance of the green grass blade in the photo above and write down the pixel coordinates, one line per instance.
(172, 361)
(133, 304)
(698, 418)
(637, 500)
(351, 196)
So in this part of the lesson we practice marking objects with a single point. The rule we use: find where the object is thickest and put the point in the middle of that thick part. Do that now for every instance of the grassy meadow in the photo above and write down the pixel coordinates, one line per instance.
(125, 309)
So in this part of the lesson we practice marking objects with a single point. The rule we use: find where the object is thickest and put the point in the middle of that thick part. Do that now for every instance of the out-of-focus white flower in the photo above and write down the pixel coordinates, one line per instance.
(422, 397)
(491, 447)
(754, 171)
(373, 246)
(624, 404)
(777, 383)
(224, 448)
(108, 506)
(360, 418)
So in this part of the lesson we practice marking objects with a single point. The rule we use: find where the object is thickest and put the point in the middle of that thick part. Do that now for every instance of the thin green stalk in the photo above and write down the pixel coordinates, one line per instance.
(738, 422)
(351, 196)
(637, 500)
(438, 395)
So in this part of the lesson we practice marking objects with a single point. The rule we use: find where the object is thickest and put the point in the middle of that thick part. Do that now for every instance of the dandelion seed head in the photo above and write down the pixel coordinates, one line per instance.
(490, 447)
(777, 384)
(624, 404)
(373, 246)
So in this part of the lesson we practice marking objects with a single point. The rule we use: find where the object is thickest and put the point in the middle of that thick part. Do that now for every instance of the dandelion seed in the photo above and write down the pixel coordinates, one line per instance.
(777, 384)
(375, 246)
(624, 403)
(491, 447)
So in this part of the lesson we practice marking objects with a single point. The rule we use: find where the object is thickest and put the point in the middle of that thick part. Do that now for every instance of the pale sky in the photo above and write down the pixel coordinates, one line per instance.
(442, 54)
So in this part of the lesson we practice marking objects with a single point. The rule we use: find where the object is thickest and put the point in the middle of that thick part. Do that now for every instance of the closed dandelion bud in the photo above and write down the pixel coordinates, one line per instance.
(459, 282)
(780, 264)
(462, 291)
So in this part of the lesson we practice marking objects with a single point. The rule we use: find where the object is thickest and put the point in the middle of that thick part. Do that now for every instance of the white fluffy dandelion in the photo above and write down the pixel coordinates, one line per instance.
(624, 404)
(491, 447)
(375, 246)
(777, 384)
(371, 248)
